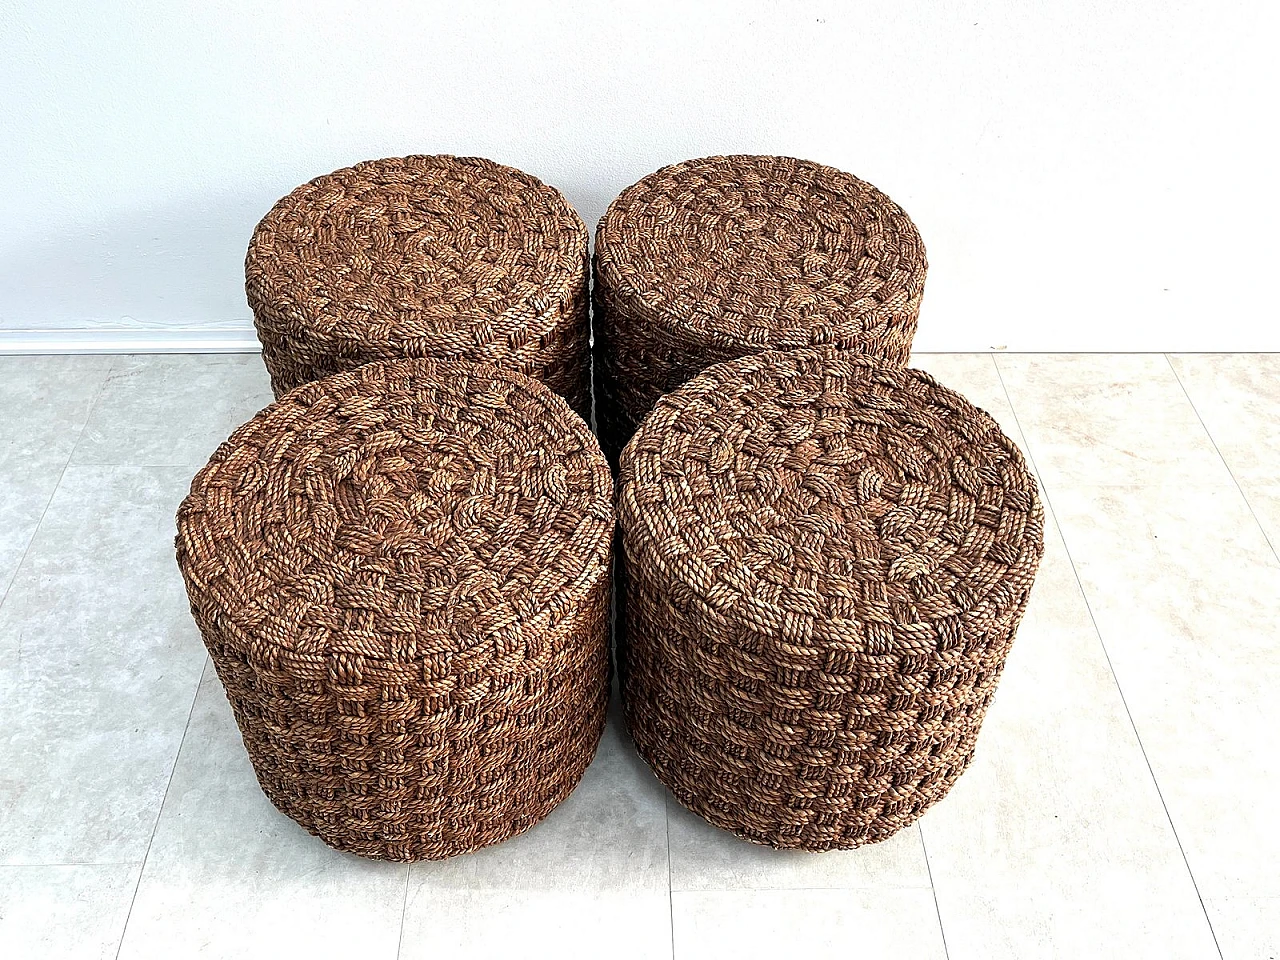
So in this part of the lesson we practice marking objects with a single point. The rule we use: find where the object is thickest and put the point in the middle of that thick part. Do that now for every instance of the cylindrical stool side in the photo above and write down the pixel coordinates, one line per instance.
(721, 257)
(359, 784)
(402, 576)
(827, 559)
(423, 256)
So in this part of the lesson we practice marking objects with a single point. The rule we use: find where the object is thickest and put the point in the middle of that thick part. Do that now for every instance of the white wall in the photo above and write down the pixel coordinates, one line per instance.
(1086, 175)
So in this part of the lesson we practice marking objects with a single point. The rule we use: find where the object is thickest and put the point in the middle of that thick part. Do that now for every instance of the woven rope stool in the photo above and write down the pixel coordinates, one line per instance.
(826, 560)
(723, 257)
(401, 574)
(422, 256)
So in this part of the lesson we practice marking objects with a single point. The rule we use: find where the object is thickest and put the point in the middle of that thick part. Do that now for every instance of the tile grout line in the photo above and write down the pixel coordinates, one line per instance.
(106, 376)
(1244, 496)
(942, 930)
(97, 398)
(160, 813)
(1110, 666)
(867, 887)
(36, 865)
(404, 909)
(671, 894)
(1090, 353)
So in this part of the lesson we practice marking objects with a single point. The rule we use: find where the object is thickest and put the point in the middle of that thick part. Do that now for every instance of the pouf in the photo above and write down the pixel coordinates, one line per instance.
(826, 560)
(723, 257)
(401, 574)
(422, 256)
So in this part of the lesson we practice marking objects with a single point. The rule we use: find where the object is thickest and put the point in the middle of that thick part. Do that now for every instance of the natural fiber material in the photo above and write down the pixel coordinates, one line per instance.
(722, 257)
(826, 560)
(422, 256)
(401, 574)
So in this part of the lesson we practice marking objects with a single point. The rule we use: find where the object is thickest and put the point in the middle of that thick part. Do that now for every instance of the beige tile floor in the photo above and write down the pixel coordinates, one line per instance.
(1122, 803)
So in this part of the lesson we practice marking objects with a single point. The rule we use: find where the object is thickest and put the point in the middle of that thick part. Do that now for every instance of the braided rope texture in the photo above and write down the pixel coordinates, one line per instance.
(826, 560)
(402, 576)
(723, 257)
(423, 256)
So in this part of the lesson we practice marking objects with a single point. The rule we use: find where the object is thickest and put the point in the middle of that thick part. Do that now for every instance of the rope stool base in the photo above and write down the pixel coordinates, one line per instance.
(422, 256)
(826, 560)
(401, 573)
(723, 257)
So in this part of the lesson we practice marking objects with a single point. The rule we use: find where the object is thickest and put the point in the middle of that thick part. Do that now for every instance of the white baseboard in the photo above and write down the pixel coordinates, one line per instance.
(218, 338)
(238, 336)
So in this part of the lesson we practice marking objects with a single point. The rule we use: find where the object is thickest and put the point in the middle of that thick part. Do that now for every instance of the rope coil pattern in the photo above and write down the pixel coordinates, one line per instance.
(402, 576)
(723, 257)
(826, 560)
(422, 256)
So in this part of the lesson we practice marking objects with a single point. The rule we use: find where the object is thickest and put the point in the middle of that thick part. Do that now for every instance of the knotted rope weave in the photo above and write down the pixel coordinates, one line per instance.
(422, 256)
(826, 559)
(401, 574)
(722, 257)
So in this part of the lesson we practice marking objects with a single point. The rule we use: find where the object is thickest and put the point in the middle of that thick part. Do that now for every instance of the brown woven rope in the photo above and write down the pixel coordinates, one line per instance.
(422, 256)
(401, 574)
(722, 257)
(826, 560)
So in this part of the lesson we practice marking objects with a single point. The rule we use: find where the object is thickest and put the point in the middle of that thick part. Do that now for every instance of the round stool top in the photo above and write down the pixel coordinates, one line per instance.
(418, 519)
(820, 509)
(445, 253)
(762, 252)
